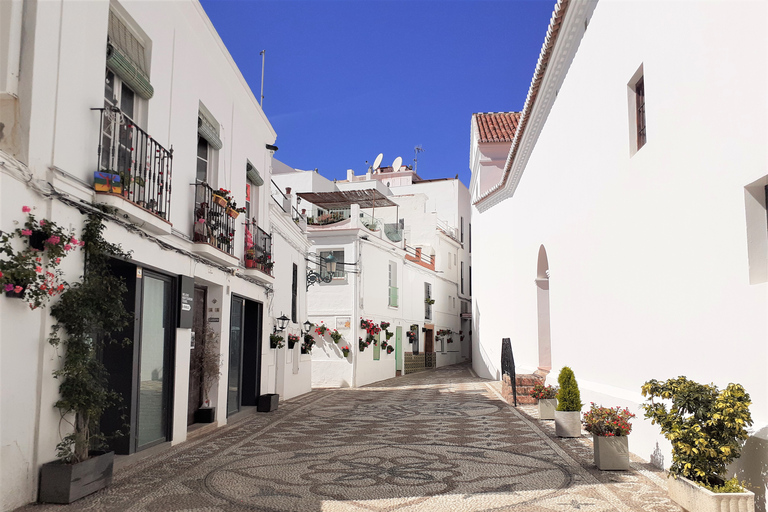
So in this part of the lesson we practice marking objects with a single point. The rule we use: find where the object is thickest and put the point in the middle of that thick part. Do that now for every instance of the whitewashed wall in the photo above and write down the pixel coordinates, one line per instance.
(648, 254)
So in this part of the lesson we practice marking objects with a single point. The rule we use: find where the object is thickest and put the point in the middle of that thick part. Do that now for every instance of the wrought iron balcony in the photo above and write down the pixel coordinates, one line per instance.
(214, 221)
(133, 164)
(258, 248)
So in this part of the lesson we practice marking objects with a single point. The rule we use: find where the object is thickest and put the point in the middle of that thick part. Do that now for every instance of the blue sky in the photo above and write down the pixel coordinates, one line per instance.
(347, 80)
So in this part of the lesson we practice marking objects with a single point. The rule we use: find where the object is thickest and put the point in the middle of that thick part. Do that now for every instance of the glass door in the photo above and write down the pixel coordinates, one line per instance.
(153, 420)
(235, 355)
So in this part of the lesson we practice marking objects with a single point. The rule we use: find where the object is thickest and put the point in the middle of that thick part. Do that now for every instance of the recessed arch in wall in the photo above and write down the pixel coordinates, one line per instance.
(542, 308)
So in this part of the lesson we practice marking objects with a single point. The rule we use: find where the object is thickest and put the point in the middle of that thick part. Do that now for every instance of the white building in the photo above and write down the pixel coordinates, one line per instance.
(404, 243)
(628, 253)
(176, 119)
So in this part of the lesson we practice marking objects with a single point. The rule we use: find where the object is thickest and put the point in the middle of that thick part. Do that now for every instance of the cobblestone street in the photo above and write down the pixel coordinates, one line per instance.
(436, 440)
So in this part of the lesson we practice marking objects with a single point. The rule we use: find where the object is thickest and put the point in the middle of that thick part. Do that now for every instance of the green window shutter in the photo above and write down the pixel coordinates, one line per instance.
(253, 175)
(207, 131)
(128, 72)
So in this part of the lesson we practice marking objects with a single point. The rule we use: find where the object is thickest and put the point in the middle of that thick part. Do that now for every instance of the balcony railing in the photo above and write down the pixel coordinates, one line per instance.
(414, 254)
(143, 165)
(214, 222)
(329, 217)
(369, 222)
(258, 248)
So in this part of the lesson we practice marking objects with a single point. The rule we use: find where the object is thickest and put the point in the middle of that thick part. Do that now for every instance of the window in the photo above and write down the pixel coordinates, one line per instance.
(470, 279)
(449, 259)
(202, 159)
(427, 301)
(392, 284)
(339, 274)
(640, 107)
(462, 230)
(294, 293)
(470, 238)
(637, 118)
(462, 277)
(118, 135)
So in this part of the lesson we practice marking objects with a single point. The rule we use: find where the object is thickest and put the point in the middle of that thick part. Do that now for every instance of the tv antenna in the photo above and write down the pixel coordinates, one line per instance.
(263, 54)
(418, 149)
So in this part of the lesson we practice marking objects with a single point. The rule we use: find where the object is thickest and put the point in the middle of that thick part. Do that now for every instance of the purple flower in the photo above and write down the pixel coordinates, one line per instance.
(8, 287)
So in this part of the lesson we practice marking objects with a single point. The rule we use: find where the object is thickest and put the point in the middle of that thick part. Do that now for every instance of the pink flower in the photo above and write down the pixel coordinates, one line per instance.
(26, 209)
(53, 240)
(67, 247)
(38, 269)
(73, 241)
(58, 260)
(18, 289)
(26, 232)
(82, 243)
(1, 274)
(8, 287)
(201, 221)
(42, 222)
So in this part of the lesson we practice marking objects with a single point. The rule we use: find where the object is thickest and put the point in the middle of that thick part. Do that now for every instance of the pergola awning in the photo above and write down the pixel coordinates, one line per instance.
(368, 198)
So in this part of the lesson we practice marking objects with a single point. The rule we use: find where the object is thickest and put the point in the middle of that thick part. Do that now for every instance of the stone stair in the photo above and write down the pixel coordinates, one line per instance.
(524, 384)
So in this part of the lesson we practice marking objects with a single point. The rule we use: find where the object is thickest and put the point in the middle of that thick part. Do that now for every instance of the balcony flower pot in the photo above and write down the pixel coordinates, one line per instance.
(250, 263)
(65, 483)
(611, 452)
(695, 498)
(547, 408)
(268, 402)
(233, 213)
(205, 415)
(219, 200)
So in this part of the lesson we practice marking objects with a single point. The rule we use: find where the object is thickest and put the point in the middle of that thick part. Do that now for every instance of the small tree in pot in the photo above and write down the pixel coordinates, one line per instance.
(207, 367)
(706, 427)
(568, 413)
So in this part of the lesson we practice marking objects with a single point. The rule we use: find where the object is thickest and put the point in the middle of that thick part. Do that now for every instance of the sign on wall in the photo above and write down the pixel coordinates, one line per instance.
(186, 301)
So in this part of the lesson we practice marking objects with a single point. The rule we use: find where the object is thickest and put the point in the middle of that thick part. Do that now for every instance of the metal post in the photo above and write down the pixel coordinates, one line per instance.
(263, 54)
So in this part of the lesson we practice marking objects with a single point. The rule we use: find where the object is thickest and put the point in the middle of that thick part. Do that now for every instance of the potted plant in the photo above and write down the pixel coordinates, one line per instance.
(250, 257)
(207, 367)
(345, 350)
(321, 329)
(706, 427)
(547, 397)
(292, 340)
(335, 336)
(609, 427)
(361, 344)
(306, 346)
(390, 349)
(568, 413)
(87, 315)
(276, 341)
(233, 211)
(32, 273)
(221, 197)
(429, 301)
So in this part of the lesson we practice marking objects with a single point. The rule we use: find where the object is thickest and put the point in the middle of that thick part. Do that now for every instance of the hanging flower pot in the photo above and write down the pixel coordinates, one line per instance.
(219, 200)
(345, 351)
(390, 349)
(233, 213)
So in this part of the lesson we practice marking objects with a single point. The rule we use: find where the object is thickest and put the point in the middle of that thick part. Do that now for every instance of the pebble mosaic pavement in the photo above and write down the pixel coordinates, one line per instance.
(439, 440)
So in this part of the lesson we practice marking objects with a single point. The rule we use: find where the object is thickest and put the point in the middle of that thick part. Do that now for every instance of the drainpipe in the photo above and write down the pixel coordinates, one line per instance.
(356, 311)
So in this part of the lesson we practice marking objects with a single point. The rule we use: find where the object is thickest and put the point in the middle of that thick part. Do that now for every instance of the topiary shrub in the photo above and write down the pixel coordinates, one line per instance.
(568, 397)
(706, 426)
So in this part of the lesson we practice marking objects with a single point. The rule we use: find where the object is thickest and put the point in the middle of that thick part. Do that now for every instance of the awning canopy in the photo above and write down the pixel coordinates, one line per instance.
(368, 198)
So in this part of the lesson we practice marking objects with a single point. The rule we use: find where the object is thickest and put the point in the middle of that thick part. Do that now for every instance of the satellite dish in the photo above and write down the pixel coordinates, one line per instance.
(396, 164)
(377, 162)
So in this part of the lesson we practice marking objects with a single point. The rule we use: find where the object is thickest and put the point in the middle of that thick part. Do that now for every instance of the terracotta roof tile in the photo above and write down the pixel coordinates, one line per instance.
(497, 126)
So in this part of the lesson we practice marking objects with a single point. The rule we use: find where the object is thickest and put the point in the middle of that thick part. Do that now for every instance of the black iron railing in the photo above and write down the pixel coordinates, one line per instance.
(329, 216)
(508, 365)
(143, 166)
(258, 248)
(214, 221)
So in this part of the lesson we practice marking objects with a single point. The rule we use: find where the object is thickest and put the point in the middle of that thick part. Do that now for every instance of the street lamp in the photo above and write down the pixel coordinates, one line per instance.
(315, 277)
(282, 323)
(307, 327)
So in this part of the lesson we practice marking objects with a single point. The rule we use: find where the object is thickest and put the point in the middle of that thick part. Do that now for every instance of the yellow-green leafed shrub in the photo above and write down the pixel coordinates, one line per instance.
(705, 426)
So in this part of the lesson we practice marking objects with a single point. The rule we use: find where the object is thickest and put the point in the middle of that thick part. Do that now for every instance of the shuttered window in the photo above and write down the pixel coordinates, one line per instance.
(295, 293)
(127, 57)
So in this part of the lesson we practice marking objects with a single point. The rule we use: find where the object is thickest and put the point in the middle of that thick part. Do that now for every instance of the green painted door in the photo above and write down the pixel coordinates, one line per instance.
(398, 348)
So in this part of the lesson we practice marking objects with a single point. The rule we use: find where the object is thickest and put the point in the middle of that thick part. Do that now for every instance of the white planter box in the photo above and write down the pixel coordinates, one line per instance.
(695, 498)
(547, 408)
(611, 453)
(568, 423)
